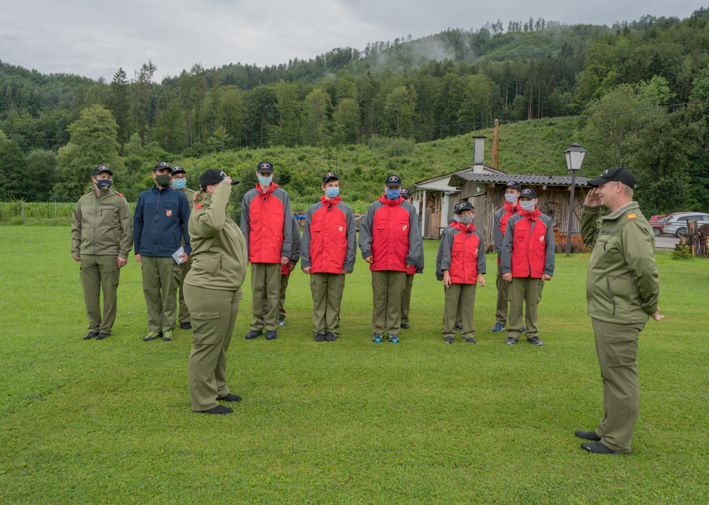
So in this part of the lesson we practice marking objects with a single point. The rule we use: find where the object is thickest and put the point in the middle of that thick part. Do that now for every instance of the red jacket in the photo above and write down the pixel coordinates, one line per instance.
(501, 217)
(528, 250)
(263, 221)
(462, 253)
(329, 242)
(390, 233)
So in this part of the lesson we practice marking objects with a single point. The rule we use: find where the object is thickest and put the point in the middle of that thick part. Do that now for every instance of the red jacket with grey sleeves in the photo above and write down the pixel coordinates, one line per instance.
(329, 243)
(462, 253)
(263, 220)
(528, 250)
(294, 255)
(389, 232)
(500, 218)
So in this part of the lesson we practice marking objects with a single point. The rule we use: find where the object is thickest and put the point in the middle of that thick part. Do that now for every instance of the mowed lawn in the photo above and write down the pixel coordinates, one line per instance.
(343, 422)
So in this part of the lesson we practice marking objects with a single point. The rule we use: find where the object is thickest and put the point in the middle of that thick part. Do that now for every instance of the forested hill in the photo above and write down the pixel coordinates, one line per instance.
(446, 85)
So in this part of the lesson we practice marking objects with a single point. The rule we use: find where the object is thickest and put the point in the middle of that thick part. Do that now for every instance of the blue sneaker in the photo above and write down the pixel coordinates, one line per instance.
(524, 329)
(377, 338)
(393, 339)
(253, 334)
(270, 335)
(498, 328)
(281, 322)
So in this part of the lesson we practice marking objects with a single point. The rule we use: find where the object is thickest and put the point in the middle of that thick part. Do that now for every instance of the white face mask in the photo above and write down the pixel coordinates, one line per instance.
(527, 205)
(511, 199)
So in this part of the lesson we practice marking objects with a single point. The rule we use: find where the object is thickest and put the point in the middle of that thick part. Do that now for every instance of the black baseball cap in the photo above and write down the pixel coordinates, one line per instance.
(405, 193)
(330, 176)
(528, 192)
(213, 176)
(463, 206)
(514, 185)
(101, 168)
(160, 165)
(615, 174)
(264, 166)
(393, 181)
(177, 168)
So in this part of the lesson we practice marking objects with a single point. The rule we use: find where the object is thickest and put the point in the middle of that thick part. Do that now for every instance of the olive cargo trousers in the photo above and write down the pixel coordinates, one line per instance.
(327, 298)
(265, 281)
(387, 290)
(502, 298)
(459, 306)
(184, 316)
(213, 316)
(160, 290)
(617, 351)
(100, 273)
(406, 298)
(525, 293)
(281, 299)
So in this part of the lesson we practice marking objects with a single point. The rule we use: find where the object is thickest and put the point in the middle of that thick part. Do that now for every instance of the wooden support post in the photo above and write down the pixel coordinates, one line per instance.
(495, 162)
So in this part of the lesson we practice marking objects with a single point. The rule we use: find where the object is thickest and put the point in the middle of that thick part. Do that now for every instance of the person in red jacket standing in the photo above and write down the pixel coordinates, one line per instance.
(416, 269)
(461, 266)
(500, 218)
(265, 221)
(328, 250)
(527, 262)
(286, 270)
(390, 240)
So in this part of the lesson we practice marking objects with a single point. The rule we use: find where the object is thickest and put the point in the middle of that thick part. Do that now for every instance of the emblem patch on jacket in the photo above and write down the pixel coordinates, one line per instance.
(168, 213)
(405, 226)
(342, 228)
(632, 216)
(541, 239)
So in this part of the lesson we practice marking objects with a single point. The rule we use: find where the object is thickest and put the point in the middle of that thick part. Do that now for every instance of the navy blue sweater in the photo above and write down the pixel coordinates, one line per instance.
(160, 221)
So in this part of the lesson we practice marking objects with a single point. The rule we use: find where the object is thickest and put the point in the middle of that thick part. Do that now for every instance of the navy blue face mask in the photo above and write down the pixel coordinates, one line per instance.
(104, 184)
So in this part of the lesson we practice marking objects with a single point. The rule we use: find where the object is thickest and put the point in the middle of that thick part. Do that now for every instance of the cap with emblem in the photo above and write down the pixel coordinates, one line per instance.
(177, 169)
(463, 206)
(405, 193)
(393, 181)
(213, 176)
(265, 167)
(161, 165)
(514, 185)
(528, 193)
(101, 168)
(330, 176)
(615, 174)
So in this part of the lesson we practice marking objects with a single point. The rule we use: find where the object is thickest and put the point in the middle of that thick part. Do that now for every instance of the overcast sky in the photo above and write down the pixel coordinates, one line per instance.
(94, 39)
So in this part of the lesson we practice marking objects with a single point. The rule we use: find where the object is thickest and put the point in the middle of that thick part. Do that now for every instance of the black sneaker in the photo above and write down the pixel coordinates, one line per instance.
(449, 340)
(230, 398)
(219, 409)
(470, 340)
(90, 335)
(405, 326)
(270, 335)
(587, 435)
(101, 336)
(320, 337)
(459, 328)
(330, 337)
(535, 341)
(599, 448)
(511, 341)
(185, 326)
(253, 334)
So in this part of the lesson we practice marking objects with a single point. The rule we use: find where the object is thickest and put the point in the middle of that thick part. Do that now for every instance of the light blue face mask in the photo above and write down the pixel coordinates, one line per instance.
(332, 192)
(266, 181)
(456, 218)
(179, 183)
(393, 194)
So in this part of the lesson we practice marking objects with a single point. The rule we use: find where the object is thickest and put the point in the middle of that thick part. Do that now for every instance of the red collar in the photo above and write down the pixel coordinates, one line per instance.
(272, 187)
(329, 203)
(462, 227)
(510, 208)
(386, 201)
(530, 215)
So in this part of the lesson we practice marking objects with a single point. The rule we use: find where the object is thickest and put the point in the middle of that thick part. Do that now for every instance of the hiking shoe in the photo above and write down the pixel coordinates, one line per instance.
(393, 339)
(281, 322)
(459, 328)
(152, 336)
(587, 435)
(535, 341)
(330, 337)
(185, 326)
(230, 398)
(219, 409)
(449, 340)
(167, 336)
(270, 335)
(377, 338)
(470, 340)
(320, 337)
(405, 326)
(498, 328)
(101, 336)
(90, 335)
(253, 334)
(599, 448)
(511, 341)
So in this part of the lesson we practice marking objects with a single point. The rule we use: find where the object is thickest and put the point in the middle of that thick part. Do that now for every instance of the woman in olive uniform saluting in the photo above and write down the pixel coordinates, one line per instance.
(212, 291)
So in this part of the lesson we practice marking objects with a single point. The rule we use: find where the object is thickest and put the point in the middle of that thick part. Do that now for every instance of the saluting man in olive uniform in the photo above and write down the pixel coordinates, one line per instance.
(179, 182)
(101, 239)
(622, 290)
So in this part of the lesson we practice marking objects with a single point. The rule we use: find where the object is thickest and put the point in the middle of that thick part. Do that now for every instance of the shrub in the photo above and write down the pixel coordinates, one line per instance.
(682, 252)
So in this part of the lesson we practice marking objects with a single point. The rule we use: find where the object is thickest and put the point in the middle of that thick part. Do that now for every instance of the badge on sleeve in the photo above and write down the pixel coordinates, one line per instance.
(632, 216)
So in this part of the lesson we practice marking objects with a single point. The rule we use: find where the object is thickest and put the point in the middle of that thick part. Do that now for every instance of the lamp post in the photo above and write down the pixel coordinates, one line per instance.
(574, 160)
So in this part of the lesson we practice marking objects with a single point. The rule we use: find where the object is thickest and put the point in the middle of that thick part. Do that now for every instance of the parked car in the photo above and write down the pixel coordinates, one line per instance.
(676, 224)
(657, 217)
(659, 225)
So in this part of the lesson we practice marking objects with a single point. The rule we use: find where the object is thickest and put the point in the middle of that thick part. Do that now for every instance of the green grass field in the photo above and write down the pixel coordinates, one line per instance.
(343, 422)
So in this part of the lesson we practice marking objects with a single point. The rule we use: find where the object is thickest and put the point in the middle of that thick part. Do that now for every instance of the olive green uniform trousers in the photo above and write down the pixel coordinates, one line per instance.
(502, 298)
(160, 290)
(406, 299)
(525, 293)
(265, 281)
(387, 290)
(184, 316)
(213, 316)
(459, 306)
(617, 351)
(100, 273)
(327, 292)
(281, 299)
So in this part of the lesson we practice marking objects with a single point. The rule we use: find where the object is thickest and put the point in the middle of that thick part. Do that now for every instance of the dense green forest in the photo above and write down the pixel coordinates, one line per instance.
(407, 106)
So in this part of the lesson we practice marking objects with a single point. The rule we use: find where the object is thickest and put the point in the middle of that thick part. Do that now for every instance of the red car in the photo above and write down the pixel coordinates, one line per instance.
(657, 217)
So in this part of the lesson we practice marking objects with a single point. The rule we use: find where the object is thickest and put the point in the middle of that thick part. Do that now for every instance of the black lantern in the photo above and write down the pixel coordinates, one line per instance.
(574, 160)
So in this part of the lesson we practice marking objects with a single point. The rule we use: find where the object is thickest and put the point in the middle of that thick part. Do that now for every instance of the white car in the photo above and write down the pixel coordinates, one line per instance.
(676, 224)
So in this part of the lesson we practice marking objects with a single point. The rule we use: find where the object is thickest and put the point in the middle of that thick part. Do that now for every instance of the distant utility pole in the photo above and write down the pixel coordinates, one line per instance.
(495, 162)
